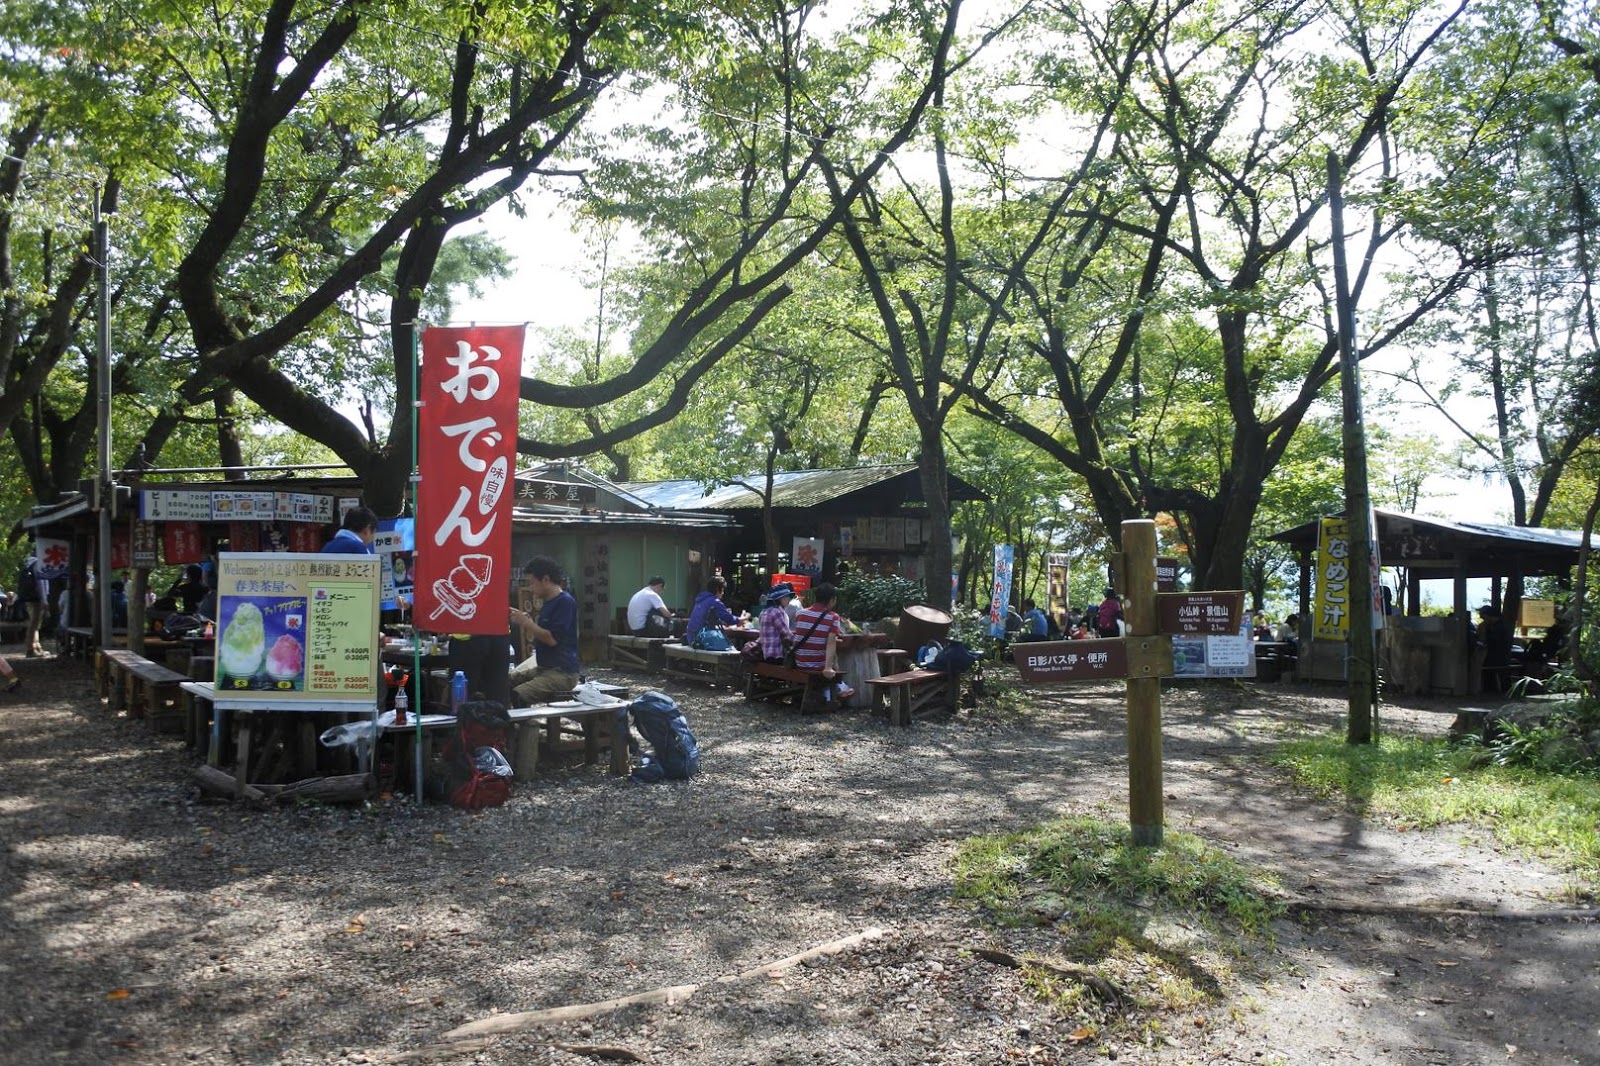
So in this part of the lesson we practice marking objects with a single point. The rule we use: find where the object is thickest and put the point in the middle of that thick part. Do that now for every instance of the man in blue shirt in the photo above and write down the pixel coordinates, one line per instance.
(551, 672)
(356, 535)
(1035, 626)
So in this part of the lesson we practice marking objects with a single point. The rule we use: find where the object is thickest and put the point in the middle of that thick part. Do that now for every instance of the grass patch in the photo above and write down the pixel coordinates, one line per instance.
(1418, 783)
(1166, 926)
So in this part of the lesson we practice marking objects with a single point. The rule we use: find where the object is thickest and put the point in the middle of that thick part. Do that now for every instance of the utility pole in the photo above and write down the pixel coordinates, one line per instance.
(105, 486)
(1363, 673)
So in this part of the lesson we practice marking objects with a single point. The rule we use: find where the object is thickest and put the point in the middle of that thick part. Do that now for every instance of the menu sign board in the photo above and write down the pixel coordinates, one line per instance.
(1200, 612)
(298, 628)
(1071, 660)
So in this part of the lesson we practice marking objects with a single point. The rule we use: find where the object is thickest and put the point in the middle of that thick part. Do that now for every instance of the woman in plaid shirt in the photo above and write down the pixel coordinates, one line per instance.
(776, 636)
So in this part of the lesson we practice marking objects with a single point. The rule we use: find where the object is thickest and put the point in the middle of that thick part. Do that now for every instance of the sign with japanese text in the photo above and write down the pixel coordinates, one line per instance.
(121, 549)
(1043, 662)
(1331, 612)
(1059, 569)
(1166, 574)
(538, 490)
(395, 544)
(1215, 655)
(801, 583)
(54, 556)
(1200, 612)
(1000, 594)
(181, 543)
(298, 628)
(146, 544)
(1539, 614)
(466, 440)
(807, 558)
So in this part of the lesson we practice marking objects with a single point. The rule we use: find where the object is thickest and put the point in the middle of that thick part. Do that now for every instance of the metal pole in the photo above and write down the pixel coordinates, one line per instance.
(1363, 674)
(416, 518)
(107, 490)
(1145, 801)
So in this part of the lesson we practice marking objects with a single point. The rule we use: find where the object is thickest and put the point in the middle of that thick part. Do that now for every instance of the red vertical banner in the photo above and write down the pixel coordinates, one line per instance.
(466, 447)
(181, 543)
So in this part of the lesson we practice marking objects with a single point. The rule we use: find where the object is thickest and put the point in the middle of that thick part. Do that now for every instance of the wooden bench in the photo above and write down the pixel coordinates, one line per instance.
(544, 728)
(694, 664)
(145, 688)
(912, 692)
(810, 690)
(638, 653)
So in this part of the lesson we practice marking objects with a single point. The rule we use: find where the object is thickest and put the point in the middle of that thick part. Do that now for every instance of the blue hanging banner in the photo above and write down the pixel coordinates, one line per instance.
(1004, 558)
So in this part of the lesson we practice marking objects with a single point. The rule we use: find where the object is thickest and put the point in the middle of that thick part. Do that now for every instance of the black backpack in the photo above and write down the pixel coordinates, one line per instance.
(674, 753)
(27, 585)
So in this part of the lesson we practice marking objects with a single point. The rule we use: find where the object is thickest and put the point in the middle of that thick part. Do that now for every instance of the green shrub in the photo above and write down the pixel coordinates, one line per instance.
(865, 597)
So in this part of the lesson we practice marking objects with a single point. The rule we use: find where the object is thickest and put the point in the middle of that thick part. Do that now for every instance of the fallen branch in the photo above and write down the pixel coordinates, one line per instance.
(214, 781)
(668, 995)
(602, 1051)
(1100, 986)
(1438, 908)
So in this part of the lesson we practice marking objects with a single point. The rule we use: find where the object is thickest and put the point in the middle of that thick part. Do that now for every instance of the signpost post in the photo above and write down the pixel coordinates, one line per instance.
(1143, 657)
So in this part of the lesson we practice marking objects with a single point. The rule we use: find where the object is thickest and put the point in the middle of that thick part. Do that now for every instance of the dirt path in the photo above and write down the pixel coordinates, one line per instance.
(330, 935)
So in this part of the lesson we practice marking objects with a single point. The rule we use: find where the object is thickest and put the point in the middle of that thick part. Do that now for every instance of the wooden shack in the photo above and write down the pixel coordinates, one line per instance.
(1433, 653)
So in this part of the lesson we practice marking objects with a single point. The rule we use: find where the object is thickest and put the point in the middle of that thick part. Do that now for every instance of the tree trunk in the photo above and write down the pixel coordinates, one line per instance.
(934, 472)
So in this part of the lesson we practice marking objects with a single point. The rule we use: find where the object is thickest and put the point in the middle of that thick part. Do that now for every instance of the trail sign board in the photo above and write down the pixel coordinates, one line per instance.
(1166, 574)
(1051, 661)
(1206, 613)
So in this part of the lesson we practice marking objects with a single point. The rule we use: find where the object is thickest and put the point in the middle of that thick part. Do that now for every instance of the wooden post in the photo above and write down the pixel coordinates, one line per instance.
(1144, 693)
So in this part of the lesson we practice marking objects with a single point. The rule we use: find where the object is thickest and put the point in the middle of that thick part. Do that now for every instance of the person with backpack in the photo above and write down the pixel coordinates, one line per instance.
(33, 592)
(1109, 614)
(709, 613)
(816, 638)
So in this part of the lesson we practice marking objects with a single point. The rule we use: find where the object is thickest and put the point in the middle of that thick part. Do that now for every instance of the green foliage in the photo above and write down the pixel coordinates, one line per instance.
(1164, 925)
(863, 597)
(1415, 783)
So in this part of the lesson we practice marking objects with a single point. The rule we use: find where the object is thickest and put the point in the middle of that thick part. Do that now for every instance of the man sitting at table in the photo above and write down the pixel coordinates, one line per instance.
(551, 672)
(816, 638)
(648, 614)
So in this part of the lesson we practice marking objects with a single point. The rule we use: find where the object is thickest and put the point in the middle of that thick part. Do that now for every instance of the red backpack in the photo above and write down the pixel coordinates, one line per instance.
(474, 772)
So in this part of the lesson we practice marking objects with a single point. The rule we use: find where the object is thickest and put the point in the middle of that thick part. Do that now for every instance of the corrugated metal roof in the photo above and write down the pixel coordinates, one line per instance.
(1530, 536)
(562, 516)
(790, 488)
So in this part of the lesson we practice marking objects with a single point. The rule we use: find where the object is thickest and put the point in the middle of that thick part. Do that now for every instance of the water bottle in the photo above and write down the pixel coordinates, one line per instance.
(458, 692)
(401, 702)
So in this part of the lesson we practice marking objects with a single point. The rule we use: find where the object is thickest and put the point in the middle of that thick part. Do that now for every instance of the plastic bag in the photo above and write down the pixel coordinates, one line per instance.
(349, 733)
(490, 761)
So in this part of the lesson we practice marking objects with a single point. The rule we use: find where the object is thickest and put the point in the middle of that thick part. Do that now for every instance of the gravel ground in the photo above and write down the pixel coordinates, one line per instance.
(142, 924)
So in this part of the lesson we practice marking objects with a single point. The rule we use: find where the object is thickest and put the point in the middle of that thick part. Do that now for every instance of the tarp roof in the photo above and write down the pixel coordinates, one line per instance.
(790, 488)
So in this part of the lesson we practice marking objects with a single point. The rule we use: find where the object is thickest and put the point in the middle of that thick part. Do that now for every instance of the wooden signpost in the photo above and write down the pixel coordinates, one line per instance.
(1143, 657)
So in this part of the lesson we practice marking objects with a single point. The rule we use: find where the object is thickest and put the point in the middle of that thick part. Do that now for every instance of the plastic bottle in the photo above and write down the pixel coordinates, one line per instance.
(401, 703)
(458, 692)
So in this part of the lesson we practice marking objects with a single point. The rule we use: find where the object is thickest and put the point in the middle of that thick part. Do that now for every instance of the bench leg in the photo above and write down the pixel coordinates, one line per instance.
(525, 751)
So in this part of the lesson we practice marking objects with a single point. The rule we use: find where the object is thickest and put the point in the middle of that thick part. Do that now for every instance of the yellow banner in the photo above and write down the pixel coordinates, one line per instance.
(1331, 620)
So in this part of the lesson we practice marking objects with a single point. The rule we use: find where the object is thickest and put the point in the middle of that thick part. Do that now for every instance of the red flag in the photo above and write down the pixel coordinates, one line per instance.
(182, 542)
(466, 443)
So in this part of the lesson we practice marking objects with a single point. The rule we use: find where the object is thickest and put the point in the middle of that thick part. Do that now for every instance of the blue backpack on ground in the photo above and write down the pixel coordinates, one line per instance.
(954, 658)
(674, 754)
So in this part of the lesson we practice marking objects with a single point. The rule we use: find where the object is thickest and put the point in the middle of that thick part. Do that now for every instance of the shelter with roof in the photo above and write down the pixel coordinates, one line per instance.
(610, 541)
(870, 519)
(1432, 653)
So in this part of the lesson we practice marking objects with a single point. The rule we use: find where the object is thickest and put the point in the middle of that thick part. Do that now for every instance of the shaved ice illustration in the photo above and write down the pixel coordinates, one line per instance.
(287, 659)
(243, 644)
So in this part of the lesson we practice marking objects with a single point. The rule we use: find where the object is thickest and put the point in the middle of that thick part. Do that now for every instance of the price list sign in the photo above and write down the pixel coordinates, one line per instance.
(298, 628)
